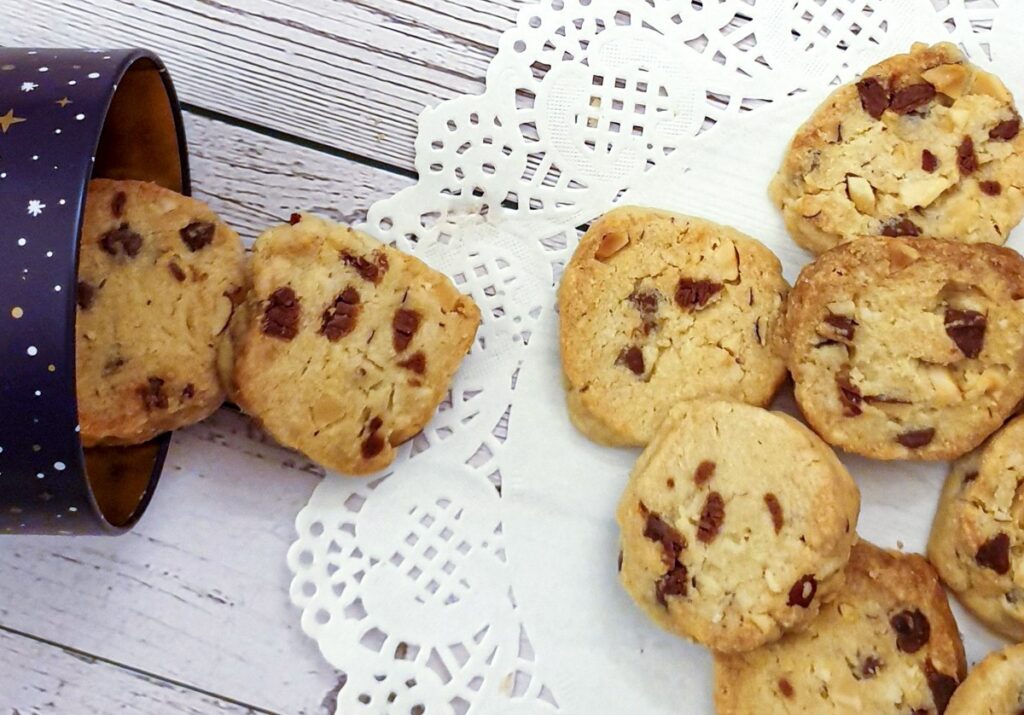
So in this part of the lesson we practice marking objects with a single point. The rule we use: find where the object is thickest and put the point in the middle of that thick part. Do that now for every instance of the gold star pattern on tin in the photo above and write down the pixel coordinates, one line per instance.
(8, 120)
(63, 102)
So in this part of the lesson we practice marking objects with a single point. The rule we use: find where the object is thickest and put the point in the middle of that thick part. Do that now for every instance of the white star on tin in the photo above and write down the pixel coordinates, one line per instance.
(35, 207)
(28, 86)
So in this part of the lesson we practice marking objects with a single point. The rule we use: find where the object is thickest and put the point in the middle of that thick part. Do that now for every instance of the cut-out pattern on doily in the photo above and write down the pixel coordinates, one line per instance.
(402, 579)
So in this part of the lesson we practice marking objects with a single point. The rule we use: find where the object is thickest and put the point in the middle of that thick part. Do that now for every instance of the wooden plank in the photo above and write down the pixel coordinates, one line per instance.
(198, 592)
(40, 678)
(353, 74)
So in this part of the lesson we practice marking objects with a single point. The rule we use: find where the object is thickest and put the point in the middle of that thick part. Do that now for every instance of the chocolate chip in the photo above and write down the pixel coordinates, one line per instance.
(153, 395)
(803, 592)
(841, 325)
(995, 554)
(966, 159)
(849, 395)
(632, 358)
(705, 470)
(294, 218)
(175, 269)
(646, 302)
(417, 363)
(901, 226)
(912, 630)
(775, 509)
(869, 667)
(117, 204)
(620, 560)
(198, 234)
(785, 688)
(375, 424)
(912, 439)
(929, 162)
(970, 477)
(711, 518)
(874, 97)
(908, 99)
(370, 270)
(85, 294)
(339, 319)
(694, 295)
(990, 188)
(941, 685)
(673, 583)
(281, 315)
(188, 392)
(657, 529)
(236, 296)
(1005, 130)
(404, 325)
(374, 442)
(966, 328)
(121, 240)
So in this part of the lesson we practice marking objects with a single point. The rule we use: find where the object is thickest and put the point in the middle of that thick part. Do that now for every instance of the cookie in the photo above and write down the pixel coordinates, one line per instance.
(994, 687)
(158, 274)
(904, 348)
(735, 525)
(348, 345)
(656, 308)
(924, 144)
(887, 643)
(977, 540)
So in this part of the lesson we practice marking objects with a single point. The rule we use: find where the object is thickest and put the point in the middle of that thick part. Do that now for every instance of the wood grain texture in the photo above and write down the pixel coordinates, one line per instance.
(353, 74)
(36, 678)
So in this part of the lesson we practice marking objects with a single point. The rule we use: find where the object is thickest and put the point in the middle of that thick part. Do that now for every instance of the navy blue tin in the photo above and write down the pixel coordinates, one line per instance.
(67, 116)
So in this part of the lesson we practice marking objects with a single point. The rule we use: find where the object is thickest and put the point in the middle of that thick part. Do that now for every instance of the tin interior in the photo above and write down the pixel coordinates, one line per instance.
(141, 140)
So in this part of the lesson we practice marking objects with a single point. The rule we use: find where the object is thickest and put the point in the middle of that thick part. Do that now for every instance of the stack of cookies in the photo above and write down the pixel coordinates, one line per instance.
(340, 346)
(904, 339)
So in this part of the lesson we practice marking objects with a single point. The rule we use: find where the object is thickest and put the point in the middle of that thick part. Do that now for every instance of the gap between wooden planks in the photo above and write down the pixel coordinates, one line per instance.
(194, 601)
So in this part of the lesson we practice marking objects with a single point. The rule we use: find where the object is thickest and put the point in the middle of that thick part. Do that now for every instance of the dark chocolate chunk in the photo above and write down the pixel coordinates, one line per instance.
(176, 271)
(849, 395)
(874, 96)
(404, 326)
(374, 442)
(966, 159)
(85, 294)
(372, 269)
(294, 218)
(841, 325)
(990, 188)
(153, 395)
(694, 295)
(802, 592)
(912, 630)
(929, 162)
(941, 685)
(339, 319)
(632, 358)
(913, 439)
(775, 509)
(786, 688)
(672, 583)
(995, 554)
(901, 226)
(646, 302)
(198, 234)
(908, 99)
(417, 363)
(705, 470)
(966, 328)
(869, 667)
(121, 240)
(1005, 130)
(281, 314)
(711, 518)
(657, 529)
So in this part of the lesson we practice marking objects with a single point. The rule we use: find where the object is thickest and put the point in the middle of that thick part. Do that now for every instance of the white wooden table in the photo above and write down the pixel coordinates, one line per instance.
(290, 104)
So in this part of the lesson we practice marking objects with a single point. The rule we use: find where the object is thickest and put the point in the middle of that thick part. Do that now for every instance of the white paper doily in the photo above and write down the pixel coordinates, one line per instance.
(477, 575)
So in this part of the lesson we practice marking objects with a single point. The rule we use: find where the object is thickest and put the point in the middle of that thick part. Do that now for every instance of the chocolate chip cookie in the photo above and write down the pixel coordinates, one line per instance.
(158, 276)
(655, 308)
(348, 345)
(905, 348)
(924, 144)
(886, 643)
(977, 540)
(735, 525)
(994, 687)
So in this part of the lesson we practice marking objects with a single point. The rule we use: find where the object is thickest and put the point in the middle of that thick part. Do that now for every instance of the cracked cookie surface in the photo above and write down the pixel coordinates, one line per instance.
(994, 687)
(904, 348)
(887, 644)
(656, 307)
(977, 540)
(348, 345)
(157, 276)
(924, 144)
(735, 525)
